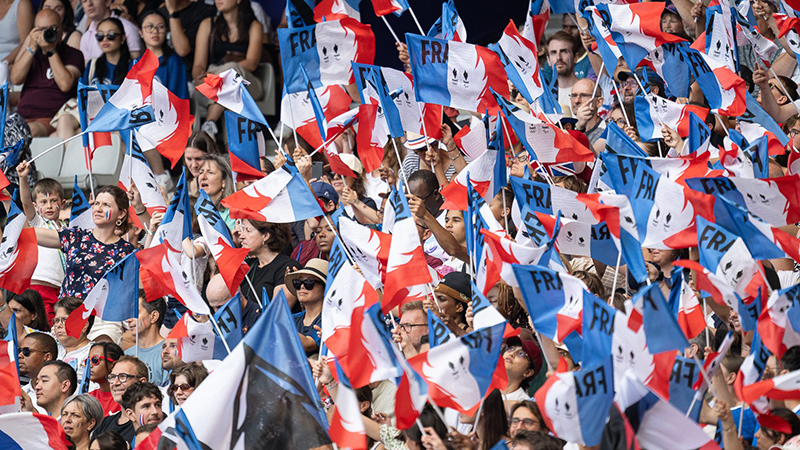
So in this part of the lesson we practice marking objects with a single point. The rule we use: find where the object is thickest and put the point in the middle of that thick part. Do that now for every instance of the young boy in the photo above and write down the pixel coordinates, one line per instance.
(42, 209)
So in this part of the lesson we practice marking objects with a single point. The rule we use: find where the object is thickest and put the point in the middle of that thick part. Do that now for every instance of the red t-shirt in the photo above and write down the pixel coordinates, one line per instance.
(41, 97)
(106, 401)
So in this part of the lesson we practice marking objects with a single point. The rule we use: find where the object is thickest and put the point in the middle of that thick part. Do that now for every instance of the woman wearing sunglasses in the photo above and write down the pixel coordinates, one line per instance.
(112, 67)
(308, 284)
(102, 357)
(184, 380)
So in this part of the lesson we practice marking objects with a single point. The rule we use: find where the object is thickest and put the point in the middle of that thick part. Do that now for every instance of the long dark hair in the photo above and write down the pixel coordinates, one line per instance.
(68, 24)
(124, 57)
(121, 199)
(32, 301)
(244, 17)
(493, 422)
(165, 48)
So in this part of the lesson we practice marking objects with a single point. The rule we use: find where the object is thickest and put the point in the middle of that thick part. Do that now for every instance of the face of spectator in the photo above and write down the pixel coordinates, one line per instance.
(98, 364)
(618, 117)
(47, 20)
(60, 331)
(496, 206)
(25, 316)
(794, 134)
(49, 206)
(56, 6)
(154, 31)
(252, 238)
(662, 257)
(454, 223)
(31, 364)
(193, 159)
(416, 323)
(210, 179)
(523, 419)
(324, 237)
(75, 423)
(182, 389)
(671, 23)
(105, 210)
(314, 295)
(517, 363)
(628, 88)
(48, 388)
(430, 198)
(95, 9)
(449, 306)
(582, 93)
(146, 411)
(560, 55)
(568, 25)
(124, 370)
(113, 37)
(170, 357)
(337, 181)
(224, 6)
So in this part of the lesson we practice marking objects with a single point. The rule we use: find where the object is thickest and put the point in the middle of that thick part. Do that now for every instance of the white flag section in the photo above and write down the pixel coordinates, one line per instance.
(369, 249)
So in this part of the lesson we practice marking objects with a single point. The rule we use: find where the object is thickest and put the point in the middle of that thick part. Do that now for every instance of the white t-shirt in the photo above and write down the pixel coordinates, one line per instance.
(50, 268)
(517, 395)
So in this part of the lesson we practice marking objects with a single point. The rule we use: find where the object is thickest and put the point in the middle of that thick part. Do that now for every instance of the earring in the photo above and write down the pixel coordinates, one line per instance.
(119, 222)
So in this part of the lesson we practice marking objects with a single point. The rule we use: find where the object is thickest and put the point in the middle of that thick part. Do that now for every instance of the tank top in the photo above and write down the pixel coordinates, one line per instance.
(9, 37)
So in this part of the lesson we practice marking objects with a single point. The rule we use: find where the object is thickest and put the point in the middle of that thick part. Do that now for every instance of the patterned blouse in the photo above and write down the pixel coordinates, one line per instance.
(87, 260)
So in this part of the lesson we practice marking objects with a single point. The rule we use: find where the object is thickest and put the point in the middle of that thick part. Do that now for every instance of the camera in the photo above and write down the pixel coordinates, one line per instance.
(50, 35)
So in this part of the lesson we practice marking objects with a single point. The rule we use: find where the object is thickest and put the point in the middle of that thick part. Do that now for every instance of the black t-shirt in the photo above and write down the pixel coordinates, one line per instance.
(268, 276)
(109, 423)
(250, 313)
(190, 18)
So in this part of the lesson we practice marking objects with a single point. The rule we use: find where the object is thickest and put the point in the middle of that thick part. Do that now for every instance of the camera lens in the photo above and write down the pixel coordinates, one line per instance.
(50, 35)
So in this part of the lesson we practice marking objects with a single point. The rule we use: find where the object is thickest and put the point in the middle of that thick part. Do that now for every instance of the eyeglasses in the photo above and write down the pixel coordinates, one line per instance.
(522, 157)
(580, 96)
(308, 283)
(620, 122)
(516, 351)
(792, 132)
(525, 422)
(95, 360)
(26, 351)
(150, 28)
(122, 377)
(59, 321)
(630, 82)
(112, 36)
(407, 327)
(184, 387)
(429, 194)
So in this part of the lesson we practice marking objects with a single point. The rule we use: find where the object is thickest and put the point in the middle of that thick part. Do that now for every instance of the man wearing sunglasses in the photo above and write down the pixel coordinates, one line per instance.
(35, 350)
(49, 69)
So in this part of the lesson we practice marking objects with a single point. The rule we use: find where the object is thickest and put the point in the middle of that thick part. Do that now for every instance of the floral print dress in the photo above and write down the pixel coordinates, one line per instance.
(87, 260)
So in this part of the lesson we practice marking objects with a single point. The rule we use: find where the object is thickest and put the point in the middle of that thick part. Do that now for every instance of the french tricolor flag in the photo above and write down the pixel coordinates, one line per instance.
(136, 170)
(371, 249)
(347, 425)
(229, 258)
(23, 431)
(229, 90)
(575, 405)
(280, 197)
(658, 111)
(81, 213)
(520, 59)
(481, 175)
(298, 113)
(131, 106)
(536, 20)
(782, 387)
(19, 252)
(337, 9)
(170, 131)
(455, 74)
(458, 372)
(384, 7)
(324, 50)
(248, 147)
(778, 320)
(683, 300)
(162, 275)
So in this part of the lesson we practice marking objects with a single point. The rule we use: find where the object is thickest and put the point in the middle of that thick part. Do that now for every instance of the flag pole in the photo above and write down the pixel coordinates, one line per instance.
(400, 163)
(705, 318)
(294, 128)
(478, 414)
(222, 338)
(616, 274)
(414, 16)
(541, 345)
(622, 105)
(391, 30)
(724, 127)
(56, 146)
(597, 82)
(137, 332)
(425, 131)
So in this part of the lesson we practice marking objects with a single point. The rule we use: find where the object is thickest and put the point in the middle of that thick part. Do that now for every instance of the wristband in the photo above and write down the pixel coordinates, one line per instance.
(30, 51)
(50, 53)
(174, 15)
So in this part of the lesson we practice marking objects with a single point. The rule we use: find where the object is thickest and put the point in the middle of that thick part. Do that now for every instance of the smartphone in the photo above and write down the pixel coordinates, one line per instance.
(316, 170)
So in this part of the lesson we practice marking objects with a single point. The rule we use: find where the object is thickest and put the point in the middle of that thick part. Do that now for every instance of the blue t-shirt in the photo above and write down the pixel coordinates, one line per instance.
(111, 72)
(87, 260)
(151, 357)
(749, 424)
(307, 330)
(172, 74)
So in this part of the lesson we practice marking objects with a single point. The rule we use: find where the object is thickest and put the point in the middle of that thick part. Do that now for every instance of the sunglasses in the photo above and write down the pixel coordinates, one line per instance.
(184, 387)
(26, 351)
(308, 283)
(112, 36)
(95, 360)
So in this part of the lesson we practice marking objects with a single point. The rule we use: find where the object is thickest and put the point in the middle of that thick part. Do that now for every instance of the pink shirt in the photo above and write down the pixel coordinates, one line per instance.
(91, 49)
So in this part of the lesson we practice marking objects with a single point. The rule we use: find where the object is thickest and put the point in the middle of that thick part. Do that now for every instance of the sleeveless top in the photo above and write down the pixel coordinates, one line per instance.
(9, 37)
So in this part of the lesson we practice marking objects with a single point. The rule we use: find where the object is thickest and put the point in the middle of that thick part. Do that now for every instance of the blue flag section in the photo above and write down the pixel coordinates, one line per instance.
(660, 324)
(229, 318)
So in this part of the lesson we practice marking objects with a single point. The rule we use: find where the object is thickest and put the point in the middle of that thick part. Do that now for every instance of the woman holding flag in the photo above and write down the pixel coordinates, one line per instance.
(90, 253)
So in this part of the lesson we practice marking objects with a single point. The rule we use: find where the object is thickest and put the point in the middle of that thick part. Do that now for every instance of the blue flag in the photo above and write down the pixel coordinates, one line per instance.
(81, 212)
(371, 84)
(86, 379)
(246, 147)
(685, 374)
(300, 13)
(177, 222)
(229, 319)
(599, 320)
(660, 325)
(699, 134)
(438, 333)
